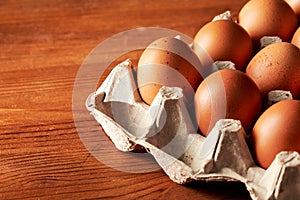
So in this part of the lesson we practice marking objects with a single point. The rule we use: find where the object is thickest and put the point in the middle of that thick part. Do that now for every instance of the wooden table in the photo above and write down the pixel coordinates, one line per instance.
(42, 46)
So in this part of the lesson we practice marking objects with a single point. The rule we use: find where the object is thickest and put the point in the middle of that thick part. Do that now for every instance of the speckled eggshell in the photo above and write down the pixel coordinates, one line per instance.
(170, 62)
(276, 67)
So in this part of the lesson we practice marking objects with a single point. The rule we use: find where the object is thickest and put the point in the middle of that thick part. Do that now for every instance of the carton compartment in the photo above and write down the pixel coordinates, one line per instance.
(166, 130)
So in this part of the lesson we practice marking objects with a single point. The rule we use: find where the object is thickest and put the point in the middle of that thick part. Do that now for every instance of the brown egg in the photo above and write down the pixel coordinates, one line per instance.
(224, 40)
(227, 94)
(276, 67)
(268, 18)
(276, 130)
(295, 5)
(171, 62)
(296, 37)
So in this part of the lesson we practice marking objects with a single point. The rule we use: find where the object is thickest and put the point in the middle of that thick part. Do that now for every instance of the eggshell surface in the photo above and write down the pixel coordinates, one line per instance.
(295, 5)
(224, 40)
(276, 130)
(168, 62)
(296, 37)
(276, 67)
(268, 18)
(227, 94)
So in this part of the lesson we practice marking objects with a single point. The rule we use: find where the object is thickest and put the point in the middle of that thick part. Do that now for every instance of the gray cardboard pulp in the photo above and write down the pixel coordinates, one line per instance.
(166, 131)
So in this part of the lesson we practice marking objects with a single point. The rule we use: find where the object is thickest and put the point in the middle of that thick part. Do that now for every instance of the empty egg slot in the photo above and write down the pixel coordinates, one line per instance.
(171, 138)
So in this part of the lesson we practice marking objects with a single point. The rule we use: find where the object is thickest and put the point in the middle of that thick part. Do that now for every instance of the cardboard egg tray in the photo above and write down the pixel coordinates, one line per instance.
(166, 130)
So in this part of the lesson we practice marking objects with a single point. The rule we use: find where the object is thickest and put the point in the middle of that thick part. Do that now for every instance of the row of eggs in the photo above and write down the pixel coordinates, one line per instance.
(238, 94)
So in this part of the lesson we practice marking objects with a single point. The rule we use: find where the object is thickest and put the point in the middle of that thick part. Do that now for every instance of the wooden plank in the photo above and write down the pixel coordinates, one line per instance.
(42, 45)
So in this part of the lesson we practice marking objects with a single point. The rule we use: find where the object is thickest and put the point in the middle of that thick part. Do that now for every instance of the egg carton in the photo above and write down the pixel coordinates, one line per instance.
(166, 130)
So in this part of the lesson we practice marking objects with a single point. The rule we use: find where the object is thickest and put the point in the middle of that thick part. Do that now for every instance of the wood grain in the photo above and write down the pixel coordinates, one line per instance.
(42, 45)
